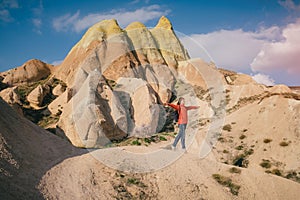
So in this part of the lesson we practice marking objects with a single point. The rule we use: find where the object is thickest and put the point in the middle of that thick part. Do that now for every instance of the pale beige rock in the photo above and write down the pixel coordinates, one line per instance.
(144, 44)
(235, 93)
(141, 99)
(93, 116)
(171, 49)
(280, 89)
(31, 71)
(243, 79)
(196, 72)
(10, 96)
(58, 90)
(103, 47)
(58, 104)
(36, 96)
(162, 80)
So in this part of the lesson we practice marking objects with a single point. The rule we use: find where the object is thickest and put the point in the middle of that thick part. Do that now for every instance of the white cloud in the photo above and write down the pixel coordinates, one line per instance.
(231, 49)
(263, 79)
(57, 62)
(5, 16)
(5, 5)
(37, 22)
(9, 4)
(134, 2)
(274, 50)
(76, 23)
(282, 55)
(64, 23)
(290, 5)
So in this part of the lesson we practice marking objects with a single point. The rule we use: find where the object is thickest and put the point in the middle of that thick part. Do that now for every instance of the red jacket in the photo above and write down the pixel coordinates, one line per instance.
(183, 117)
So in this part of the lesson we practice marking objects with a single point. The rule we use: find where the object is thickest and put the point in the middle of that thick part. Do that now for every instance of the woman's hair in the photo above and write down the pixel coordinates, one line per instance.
(179, 100)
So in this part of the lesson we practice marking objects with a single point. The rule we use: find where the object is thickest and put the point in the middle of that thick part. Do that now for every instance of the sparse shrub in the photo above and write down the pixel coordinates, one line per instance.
(221, 139)
(277, 172)
(133, 181)
(162, 138)
(235, 170)
(245, 130)
(283, 144)
(242, 137)
(248, 152)
(136, 142)
(266, 164)
(227, 182)
(267, 140)
(147, 140)
(225, 151)
(240, 147)
(227, 127)
(292, 175)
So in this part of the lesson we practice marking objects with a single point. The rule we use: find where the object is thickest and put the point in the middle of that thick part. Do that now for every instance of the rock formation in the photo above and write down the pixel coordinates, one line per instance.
(36, 97)
(136, 53)
(31, 71)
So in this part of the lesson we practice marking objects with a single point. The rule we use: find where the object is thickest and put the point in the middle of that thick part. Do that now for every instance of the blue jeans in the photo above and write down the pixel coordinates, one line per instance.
(180, 135)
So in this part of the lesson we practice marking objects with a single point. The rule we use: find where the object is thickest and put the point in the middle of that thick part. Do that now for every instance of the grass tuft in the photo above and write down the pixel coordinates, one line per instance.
(235, 170)
(227, 182)
(267, 140)
(284, 144)
(266, 164)
(227, 127)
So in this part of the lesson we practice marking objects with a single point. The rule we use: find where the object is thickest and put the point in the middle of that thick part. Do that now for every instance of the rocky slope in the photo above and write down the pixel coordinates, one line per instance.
(36, 164)
(108, 94)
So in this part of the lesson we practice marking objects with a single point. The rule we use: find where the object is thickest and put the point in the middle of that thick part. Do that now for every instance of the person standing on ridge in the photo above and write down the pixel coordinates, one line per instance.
(182, 120)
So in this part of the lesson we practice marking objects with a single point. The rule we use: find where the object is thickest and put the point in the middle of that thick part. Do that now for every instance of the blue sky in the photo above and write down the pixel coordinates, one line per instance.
(257, 37)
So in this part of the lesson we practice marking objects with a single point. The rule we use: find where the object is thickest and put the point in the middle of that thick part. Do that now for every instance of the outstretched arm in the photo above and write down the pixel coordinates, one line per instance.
(192, 107)
(176, 107)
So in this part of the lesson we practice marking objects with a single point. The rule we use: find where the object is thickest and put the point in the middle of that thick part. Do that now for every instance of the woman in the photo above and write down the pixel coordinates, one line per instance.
(182, 120)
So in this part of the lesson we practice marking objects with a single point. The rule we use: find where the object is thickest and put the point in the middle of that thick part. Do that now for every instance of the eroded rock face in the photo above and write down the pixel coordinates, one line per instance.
(144, 114)
(36, 96)
(31, 71)
(94, 116)
(58, 90)
(58, 104)
(132, 59)
(10, 96)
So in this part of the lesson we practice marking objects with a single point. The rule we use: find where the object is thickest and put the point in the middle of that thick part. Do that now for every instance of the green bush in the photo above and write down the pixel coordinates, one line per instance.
(136, 142)
(162, 138)
(147, 140)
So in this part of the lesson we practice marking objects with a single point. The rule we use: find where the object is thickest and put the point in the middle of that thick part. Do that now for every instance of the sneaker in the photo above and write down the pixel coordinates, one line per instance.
(184, 150)
(173, 148)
